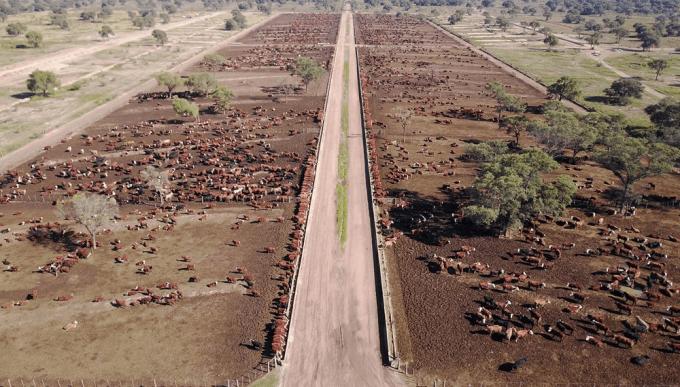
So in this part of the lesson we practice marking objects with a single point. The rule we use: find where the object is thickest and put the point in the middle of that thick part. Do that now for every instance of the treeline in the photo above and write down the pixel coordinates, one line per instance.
(13, 7)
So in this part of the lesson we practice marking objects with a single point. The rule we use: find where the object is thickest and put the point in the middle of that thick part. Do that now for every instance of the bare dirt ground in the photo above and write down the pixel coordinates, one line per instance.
(235, 179)
(424, 183)
(334, 337)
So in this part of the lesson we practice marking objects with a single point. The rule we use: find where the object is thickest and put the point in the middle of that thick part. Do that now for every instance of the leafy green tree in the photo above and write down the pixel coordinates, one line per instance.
(551, 41)
(456, 17)
(594, 39)
(623, 89)
(201, 84)
(16, 29)
(509, 190)
(485, 151)
(185, 108)
(565, 87)
(88, 16)
(213, 60)
(34, 38)
(649, 41)
(504, 101)
(619, 33)
(515, 126)
(42, 82)
(502, 23)
(666, 118)
(563, 130)
(105, 31)
(222, 98)
(239, 19)
(307, 69)
(607, 127)
(633, 159)
(658, 65)
(171, 81)
(534, 24)
(160, 36)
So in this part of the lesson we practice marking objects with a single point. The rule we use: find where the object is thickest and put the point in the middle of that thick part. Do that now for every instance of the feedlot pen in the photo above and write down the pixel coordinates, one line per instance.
(174, 291)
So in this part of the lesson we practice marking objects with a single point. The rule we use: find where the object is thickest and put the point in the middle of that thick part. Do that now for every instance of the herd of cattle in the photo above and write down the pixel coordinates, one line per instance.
(543, 287)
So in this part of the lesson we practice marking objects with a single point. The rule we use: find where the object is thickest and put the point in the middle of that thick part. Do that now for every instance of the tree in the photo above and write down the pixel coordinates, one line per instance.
(404, 117)
(551, 41)
(594, 39)
(158, 180)
(239, 19)
(456, 17)
(534, 24)
(213, 60)
(565, 87)
(504, 101)
(485, 151)
(185, 108)
(92, 211)
(666, 118)
(658, 65)
(307, 69)
(509, 190)
(222, 97)
(633, 159)
(105, 31)
(563, 130)
(165, 18)
(649, 41)
(547, 14)
(623, 89)
(88, 16)
(34, 39)
(171, 81)
(160, 36)
(620, 33)
(201, 84)
(503, 23)
(230, 25)
(16, 29)
(515, 125)
(42, 82)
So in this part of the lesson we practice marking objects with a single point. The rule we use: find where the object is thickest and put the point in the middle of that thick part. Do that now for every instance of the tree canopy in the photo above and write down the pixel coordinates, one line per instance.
(34, 38)
(307, 69)
(666, 117)
(42, 82)
(185, 108)
(171, 81)
(93, 212)
(160, 36)
(633, 159)
(509, 190)
(623, 89)
(565, 87)
(201, 84)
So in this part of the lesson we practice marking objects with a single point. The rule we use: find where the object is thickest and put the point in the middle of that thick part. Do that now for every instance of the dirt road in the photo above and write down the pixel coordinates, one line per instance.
(18, 72)
(32, 149)
(334, 339)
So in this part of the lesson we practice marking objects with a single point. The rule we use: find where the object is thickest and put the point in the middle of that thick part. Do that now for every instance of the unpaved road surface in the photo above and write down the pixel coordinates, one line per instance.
(19, 71)
(334, 339)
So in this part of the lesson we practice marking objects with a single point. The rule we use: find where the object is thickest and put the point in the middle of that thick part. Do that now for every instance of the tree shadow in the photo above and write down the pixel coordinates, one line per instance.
(598, 99)
(55, 236)
(429, 220)
(23, 95)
